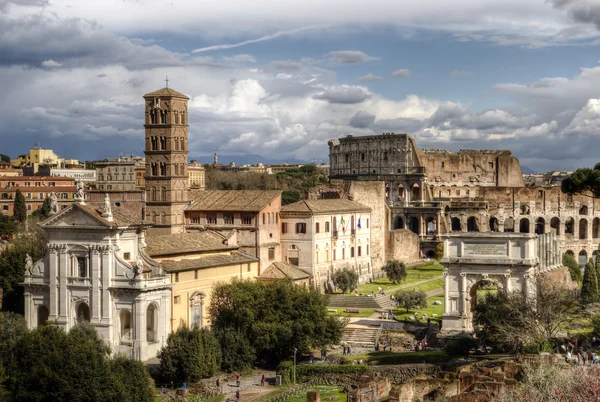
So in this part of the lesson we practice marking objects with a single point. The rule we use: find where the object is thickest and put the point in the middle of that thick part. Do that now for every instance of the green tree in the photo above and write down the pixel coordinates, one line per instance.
(309, 170)
(518, 321)
(51, 365)
(137, 383)
(289, 197)
(12, 328)
(589, 288)
(8, 226)
(20, 210)
(411, 298)
(395, 270)
(4, 158)
(275, 318)
(189, 355)
(345, 279)
(44, 211)
(237, 352)
(439, 251)
(569, 261)
(582, 180)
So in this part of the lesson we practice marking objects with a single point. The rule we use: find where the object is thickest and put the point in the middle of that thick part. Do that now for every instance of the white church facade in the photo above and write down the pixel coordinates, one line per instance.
(96, 270)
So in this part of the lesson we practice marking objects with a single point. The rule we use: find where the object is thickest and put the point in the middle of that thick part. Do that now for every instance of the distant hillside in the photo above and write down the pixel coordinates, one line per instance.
(247, 159)
(526, 170)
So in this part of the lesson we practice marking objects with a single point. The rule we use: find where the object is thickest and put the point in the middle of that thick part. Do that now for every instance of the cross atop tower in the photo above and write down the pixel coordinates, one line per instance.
(167, 81)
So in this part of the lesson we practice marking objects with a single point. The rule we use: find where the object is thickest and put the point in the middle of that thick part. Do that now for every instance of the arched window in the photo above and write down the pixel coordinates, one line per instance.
(555, 224)
(125, 318)
(494, 224)
(197, 304)
(583, 258)
(583, 228)
(163, 194)
(43, 314)
(524, 225)
(398, 223)
(509, 225)
(472, 225)
(540, 226)
(82, 312)
(583, 210)
(151, 321)
(569, 226)
(596, 228)
(455, 222)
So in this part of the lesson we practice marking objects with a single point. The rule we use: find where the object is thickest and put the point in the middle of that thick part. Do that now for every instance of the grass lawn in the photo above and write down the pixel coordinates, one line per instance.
(426, 287)
(364, 312)
(401, 313)
(193, 398)
(326, 392)
(383, 358)
(414, 275)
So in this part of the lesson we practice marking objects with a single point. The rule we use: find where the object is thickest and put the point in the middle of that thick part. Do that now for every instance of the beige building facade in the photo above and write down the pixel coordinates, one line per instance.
(196, 176)
(118, 174)
(322, 236)
(35, 189)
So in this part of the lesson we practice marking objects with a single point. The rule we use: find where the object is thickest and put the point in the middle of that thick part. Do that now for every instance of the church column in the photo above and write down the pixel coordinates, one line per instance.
(63, 272)
(53, 271)
(105, 268)
(95, 275)
(463, 293)
(30, 319)
(446, 291)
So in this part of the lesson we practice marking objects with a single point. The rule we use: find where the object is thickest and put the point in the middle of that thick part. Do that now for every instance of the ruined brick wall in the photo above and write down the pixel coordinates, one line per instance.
(471, 167)
(372, 194)
(403, 245)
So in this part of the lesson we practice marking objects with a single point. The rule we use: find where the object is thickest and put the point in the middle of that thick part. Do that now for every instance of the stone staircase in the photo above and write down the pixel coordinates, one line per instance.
(385, 302)
(351, 301)
(359, 337)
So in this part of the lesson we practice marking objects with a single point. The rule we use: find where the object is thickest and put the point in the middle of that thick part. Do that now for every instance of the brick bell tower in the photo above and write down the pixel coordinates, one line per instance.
(166, 152)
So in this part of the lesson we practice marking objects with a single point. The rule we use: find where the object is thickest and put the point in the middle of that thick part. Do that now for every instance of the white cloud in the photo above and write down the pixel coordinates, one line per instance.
(350, 56)
(402, 73)
(51, 63)
(370, 78)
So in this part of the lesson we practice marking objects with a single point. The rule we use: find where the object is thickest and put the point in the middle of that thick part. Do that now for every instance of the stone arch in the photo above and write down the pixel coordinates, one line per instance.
(82, 312)
(583, 258)
(152, 323)
(126, 325)
(596, 228)
(479, 284)
(569, 226)
(555, 224)
(540, 225)
(583, 228)
(42, 315)
(430, 253)
(414, 224)
(583, 210)
(455, 222)
(472, 224)
(430, 226)
(524, 225)
(398, 223)
(494, 224)
(400, 192)
(509, 224)
(416, 192)
(570, 252)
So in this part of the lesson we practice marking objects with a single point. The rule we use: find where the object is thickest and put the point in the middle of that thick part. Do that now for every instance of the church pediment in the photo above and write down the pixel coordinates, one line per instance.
(76, 217)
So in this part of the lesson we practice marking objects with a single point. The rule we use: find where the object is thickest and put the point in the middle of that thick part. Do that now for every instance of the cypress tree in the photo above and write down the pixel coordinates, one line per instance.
(20, 210)
(598, 267)
(589, 289)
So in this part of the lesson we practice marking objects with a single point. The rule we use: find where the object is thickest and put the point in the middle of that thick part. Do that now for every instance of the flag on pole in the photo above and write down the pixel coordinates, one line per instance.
(358, 223)
(343, 225)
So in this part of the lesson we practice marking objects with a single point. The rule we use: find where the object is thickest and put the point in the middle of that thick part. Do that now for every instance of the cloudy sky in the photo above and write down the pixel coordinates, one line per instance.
(280, 78)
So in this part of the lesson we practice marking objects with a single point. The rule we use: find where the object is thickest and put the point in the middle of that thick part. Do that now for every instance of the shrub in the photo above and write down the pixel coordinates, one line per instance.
(439, 251)
(345, 279)
(574, 269)
(538, 346)
(461, 346)
(395, 271)
(285, 370)
(305, 372)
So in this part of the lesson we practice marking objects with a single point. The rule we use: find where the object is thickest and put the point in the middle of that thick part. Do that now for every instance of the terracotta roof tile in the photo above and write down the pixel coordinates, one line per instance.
(180, 243)
(282, 270)
(208, 261)
(166, 92)
(232, 200)
(324, 206)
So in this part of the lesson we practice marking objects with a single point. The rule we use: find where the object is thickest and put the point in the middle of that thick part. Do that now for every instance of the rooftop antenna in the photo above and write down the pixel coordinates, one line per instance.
(167, 81)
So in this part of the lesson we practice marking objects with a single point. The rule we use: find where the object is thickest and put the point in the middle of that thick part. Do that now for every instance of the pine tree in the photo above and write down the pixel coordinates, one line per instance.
(20, 210)
(589, 289)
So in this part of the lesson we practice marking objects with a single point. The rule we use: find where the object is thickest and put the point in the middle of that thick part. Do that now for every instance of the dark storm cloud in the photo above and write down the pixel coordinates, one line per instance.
(361, 119)
(585, 11)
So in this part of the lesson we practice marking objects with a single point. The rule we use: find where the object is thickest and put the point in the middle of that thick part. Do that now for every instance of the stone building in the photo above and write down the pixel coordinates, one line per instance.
(166, 180)
(249, 217)
(322, 236)
(194, 262)
(96, 270)
(432, 192)
(35, 189)
(118, 174)
(196, 176)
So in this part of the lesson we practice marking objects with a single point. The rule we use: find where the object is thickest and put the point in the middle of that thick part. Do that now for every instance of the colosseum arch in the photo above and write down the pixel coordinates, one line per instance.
(596, 228)
(524, 225)
(583, 229)
(555, 224)
(472, 224)
(540, 225)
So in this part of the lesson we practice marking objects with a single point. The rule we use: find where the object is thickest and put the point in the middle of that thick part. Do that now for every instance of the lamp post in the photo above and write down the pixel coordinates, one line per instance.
(295, 350)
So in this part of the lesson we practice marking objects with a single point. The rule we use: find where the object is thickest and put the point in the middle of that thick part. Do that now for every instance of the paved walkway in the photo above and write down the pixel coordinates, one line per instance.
(250, 387)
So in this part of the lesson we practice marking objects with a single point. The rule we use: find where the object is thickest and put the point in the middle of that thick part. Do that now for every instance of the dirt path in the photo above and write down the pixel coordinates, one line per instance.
(250, 387)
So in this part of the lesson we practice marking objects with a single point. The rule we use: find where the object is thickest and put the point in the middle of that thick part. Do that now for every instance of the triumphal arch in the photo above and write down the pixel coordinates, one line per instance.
(511, 261)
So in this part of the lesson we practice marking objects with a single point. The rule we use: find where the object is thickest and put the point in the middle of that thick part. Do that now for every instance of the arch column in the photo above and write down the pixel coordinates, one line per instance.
(446, 291)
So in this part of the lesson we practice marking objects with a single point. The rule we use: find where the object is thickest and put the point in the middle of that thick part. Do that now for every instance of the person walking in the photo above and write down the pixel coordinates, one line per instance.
(237, 380)
(262, 380)
(237, 395)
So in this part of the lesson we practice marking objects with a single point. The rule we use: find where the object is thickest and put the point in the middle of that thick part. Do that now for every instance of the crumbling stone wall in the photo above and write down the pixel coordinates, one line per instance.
(403, 245)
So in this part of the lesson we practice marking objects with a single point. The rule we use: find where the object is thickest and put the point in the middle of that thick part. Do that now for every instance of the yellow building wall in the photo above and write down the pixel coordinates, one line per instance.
(187, 284)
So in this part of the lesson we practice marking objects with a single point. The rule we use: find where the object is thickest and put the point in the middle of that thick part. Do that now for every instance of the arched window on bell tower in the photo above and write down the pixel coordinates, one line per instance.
(163, 194)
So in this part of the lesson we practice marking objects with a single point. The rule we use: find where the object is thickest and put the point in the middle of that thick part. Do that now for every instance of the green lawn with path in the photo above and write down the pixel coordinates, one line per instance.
(419, 273)
(386, 358)
(324, 390)
(401, 313)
